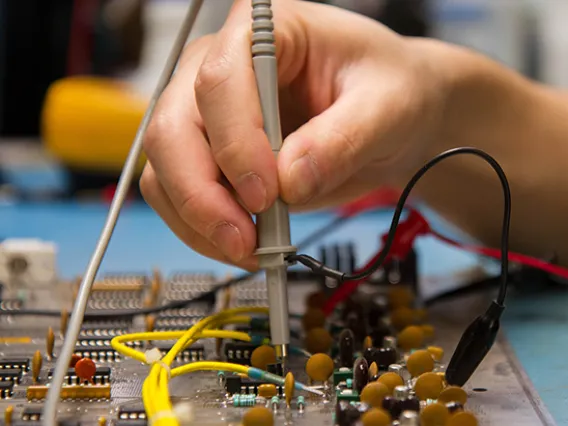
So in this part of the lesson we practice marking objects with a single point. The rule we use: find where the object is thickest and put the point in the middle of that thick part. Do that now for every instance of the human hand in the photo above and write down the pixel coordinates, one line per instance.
(359, 105)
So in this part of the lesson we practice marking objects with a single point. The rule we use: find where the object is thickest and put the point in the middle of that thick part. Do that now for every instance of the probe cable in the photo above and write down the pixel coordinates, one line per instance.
(480, 335)
(124, 183)
(319, 268)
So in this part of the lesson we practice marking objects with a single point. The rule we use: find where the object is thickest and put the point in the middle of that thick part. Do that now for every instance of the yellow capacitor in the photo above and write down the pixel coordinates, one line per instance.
(89, 123)
(267, 390)
(419, 362)
(289, 387)
(50, 342)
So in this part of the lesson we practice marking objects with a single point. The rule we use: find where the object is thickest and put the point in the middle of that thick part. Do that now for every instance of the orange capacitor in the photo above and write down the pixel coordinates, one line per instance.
(86, 369)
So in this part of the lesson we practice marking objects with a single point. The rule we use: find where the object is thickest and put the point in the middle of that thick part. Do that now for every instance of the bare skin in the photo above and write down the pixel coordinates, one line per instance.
(361, 107)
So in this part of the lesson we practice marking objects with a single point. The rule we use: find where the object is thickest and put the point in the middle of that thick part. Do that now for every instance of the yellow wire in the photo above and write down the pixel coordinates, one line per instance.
(159, 402)
(118, 343)
(155, 393)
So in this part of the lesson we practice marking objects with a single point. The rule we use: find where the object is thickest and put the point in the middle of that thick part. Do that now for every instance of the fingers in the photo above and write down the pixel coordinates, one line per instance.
(177, 148)
(156, 197)
(227, 99)
(332, 147)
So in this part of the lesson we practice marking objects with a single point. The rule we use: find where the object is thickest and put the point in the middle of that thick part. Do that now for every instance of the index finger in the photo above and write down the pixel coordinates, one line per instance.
(227, 98)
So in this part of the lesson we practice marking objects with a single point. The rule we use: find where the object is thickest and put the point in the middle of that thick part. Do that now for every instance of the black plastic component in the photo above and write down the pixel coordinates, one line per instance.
(277, 369)
(10, 375)
(347, 414)
(360, 374)
(474, 345)
(239, 353)
(374, 378)
(357, 322)
(32, 413)
(239, 385)
(378, 335)
(382, 356)
(454, 406)
(138, 422)
(101, 377)
(130, 413)
(233, 384)
(388, 404)
(346, 348)
(6, 389)
(351, 258)
(19, 363)
(408, 404)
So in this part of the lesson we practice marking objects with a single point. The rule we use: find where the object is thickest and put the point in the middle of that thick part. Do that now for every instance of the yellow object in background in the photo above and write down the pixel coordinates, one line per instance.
(89, 123)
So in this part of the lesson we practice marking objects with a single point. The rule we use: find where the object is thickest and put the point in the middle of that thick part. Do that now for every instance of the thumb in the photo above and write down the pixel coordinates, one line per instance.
(333, 146)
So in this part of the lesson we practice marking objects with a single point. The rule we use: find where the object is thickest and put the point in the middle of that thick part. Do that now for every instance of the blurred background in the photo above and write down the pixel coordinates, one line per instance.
(75, 75)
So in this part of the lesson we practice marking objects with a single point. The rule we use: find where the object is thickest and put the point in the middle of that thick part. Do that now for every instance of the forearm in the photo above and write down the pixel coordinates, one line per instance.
(525, 127)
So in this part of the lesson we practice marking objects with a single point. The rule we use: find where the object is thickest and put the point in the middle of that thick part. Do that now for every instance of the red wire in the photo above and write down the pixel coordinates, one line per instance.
(380, 199)
(513, 257)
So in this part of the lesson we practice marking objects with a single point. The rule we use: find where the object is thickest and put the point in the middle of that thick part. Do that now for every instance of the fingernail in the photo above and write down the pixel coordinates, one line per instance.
(252, 191)
(304, 179)
(227, 238)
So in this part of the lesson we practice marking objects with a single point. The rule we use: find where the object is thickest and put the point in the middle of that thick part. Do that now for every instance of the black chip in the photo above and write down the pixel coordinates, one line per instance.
(32, 413)
(132, 412)
(10, 375)
(238, 385)
(239, 353)
(19, 363)
(131, 423)
(6, 389)
(101, 377)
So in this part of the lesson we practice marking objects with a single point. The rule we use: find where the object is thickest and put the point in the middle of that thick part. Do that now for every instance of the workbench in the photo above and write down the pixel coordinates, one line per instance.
(534, 326)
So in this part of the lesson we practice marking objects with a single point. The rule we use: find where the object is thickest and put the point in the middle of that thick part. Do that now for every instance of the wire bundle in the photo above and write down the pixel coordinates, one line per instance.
(155, 392)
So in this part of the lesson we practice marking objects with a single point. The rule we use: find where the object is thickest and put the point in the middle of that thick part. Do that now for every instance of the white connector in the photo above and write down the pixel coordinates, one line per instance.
(27, 263)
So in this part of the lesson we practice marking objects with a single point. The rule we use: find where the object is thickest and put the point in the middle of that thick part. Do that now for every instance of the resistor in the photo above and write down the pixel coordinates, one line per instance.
(244, 400)
(301, 404)
(275, 403)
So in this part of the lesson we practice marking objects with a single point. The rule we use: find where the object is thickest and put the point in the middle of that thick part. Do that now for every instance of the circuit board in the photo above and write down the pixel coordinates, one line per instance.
(498, 393)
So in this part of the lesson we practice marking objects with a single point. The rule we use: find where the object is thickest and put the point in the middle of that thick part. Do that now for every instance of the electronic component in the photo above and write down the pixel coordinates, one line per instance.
(32, 413)
(239, 353)
(192, 353)
(85, 370)
(419, 362)
(318, 340)
(37, 361)
(130, 423)
(376, 417)
(391, 381)
(319, 367)
(360, 374)
(263, 356)
(131, 412)
(453, 394)
(346, 348)
(374, 393)
(37, 393)
(289, 388)
(102, 376)
(412, 337)
(434, 414)
(13, 375)
(258, 416)
(428, 386)
(25, 265)
(235, 385)
(6, 389)
(22, 364)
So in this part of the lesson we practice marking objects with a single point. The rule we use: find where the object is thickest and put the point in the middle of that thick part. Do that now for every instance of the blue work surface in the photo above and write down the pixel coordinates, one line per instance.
(536, 328)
